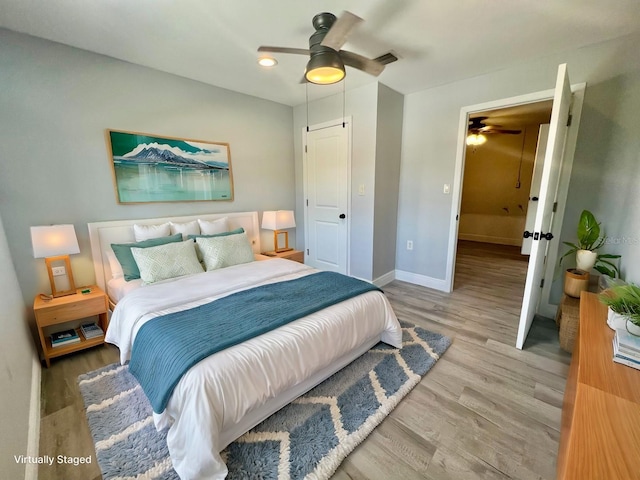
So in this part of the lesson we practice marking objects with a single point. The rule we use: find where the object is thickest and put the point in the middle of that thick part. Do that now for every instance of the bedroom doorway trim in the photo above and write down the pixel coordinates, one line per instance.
(546, 308)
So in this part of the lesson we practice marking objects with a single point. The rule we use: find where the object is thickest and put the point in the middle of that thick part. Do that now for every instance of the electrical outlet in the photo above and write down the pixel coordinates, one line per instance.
(57, 271)
(409, 244)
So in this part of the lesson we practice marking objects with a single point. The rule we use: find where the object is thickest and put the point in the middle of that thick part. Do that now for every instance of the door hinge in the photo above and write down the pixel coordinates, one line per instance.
(307, 252)
(542, 283)
(555, 206)
(569, 119)
(305, 149)
(456, 218)
(307, 202)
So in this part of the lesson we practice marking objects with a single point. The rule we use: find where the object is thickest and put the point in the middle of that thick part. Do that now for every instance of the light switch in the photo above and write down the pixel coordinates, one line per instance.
(446, 188)
(361, 189)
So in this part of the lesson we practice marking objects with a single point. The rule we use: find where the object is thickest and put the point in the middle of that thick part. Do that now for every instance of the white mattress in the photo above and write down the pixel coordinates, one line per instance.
(210, 405)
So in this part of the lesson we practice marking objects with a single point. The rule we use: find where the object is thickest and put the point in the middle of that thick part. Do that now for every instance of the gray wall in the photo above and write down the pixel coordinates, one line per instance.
(606, 172)
(387, 181)
(17, 355)
(430, 139)
(55, 104)
(361, 105)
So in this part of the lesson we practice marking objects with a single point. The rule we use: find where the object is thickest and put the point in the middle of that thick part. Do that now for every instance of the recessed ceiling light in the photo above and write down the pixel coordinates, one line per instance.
(267, 61)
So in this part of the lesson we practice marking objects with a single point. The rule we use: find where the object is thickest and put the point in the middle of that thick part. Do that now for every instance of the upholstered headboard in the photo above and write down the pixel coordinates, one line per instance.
(103, 234)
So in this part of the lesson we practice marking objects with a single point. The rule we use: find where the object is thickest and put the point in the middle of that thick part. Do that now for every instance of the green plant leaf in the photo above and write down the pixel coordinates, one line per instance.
(608, 255)
(588, 230)
(605, 271)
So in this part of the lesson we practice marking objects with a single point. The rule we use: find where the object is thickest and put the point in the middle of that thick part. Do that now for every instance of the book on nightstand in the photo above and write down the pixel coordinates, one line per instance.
(65, 337)
(91, 330)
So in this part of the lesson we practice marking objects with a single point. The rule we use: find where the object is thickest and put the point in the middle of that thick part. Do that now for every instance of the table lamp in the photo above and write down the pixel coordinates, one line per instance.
(55, 243)
(279, 221)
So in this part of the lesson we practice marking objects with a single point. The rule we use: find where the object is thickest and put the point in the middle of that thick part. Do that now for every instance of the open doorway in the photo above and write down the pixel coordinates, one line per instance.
(497, 187)
(554, 185)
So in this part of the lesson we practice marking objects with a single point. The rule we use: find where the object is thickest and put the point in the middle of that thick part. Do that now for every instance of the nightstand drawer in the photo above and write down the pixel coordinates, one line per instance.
(72, 311)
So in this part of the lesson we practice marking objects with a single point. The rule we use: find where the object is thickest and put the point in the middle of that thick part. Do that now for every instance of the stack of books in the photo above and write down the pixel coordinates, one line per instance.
(65, 337)
(91, 330)
(626, 348)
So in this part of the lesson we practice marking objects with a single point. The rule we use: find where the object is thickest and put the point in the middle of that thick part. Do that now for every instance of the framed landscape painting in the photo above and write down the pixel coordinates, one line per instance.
(149, 168)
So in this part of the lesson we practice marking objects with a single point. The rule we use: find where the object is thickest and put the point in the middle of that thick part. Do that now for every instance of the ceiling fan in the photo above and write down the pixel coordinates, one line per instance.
(326, 59)
(477, 125)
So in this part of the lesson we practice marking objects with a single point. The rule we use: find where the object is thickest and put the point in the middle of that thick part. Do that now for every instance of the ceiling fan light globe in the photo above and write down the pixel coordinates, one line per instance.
(475, 139)
(324, 67)
(324, 75)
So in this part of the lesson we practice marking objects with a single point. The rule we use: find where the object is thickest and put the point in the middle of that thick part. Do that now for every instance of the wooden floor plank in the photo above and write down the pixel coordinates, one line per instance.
(486, 410)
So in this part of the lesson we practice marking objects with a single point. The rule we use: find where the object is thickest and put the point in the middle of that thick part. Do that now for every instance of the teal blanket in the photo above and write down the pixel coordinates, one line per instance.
(167, 346)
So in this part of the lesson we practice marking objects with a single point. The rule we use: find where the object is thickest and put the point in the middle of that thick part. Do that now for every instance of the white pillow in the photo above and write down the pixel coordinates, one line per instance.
(166, 261)
(211, 227)
(220, 252)
(145, 232)
(114, 265)
(186, 229)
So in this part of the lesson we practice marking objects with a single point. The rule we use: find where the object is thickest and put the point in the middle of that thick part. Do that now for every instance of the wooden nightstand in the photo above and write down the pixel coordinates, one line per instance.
(295, 255)
(67, 309)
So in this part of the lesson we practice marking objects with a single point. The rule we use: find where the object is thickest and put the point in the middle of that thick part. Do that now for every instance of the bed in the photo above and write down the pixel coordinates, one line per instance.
(227, 393)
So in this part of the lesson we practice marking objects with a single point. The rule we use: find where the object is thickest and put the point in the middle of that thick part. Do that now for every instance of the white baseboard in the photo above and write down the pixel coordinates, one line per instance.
(33, 439)
(423, 280)
(472, 237)
(382, 280)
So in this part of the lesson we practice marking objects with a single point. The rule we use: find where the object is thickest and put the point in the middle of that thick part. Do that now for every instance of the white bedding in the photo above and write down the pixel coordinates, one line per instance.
(217, 395)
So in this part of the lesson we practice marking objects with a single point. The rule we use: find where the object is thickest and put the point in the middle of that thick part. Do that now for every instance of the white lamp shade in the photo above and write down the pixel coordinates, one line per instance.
(278, 220)
(54, 240)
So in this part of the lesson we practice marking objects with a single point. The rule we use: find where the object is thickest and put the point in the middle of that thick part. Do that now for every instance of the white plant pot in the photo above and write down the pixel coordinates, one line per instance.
(632, 328)
(615, 320)
(585, 260)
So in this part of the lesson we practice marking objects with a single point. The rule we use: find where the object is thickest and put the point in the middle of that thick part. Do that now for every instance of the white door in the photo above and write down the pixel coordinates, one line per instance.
(544, 213)
(534, 192)
(327, 198)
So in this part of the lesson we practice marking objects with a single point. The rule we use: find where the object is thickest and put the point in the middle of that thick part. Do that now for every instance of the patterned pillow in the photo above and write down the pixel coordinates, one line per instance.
(225, 251)
(125, 257)
(166, 261)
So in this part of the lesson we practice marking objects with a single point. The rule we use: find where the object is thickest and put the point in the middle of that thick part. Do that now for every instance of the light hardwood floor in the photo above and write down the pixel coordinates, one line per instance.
(486, 410)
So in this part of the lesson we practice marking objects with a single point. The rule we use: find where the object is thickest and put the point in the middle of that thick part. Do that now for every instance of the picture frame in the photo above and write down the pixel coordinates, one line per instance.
(152, 168)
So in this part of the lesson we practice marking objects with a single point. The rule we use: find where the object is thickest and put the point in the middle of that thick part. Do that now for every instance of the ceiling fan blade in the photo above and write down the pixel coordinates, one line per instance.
(493, 129)
(386, 59)
(361, 63)
(297, 51)
(337, 35)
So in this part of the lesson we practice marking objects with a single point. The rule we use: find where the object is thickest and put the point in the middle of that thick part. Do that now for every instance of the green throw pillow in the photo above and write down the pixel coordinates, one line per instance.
(125, 257)
(223, 234)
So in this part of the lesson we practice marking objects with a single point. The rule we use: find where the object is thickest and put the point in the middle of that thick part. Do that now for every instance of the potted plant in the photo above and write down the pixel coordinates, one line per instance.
(589, 241)
(624, 300)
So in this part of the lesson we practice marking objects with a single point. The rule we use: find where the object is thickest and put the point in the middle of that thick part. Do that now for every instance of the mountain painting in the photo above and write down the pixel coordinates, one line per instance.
(158, 169)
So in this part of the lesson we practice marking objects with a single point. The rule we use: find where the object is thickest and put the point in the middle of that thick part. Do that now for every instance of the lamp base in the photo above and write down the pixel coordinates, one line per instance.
(277, 248)
(55, 292)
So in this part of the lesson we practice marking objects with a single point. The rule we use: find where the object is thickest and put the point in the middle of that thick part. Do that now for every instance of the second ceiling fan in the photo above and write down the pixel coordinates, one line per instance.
(326, 59)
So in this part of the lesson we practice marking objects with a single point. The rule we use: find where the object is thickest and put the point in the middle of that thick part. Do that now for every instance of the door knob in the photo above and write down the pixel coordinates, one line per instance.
(342, 215)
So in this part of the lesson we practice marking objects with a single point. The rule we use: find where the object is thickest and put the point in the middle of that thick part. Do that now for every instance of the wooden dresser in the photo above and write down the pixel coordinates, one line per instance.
(600, 434)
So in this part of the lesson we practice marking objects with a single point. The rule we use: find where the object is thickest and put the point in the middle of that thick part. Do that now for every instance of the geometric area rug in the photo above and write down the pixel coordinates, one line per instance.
(308, 438)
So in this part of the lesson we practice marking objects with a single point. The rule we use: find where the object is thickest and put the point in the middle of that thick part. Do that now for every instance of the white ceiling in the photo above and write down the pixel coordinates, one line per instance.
(215, 42)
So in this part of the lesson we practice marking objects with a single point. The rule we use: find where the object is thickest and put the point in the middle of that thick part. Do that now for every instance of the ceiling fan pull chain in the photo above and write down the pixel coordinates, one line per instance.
(306, 91)
(344, 81)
